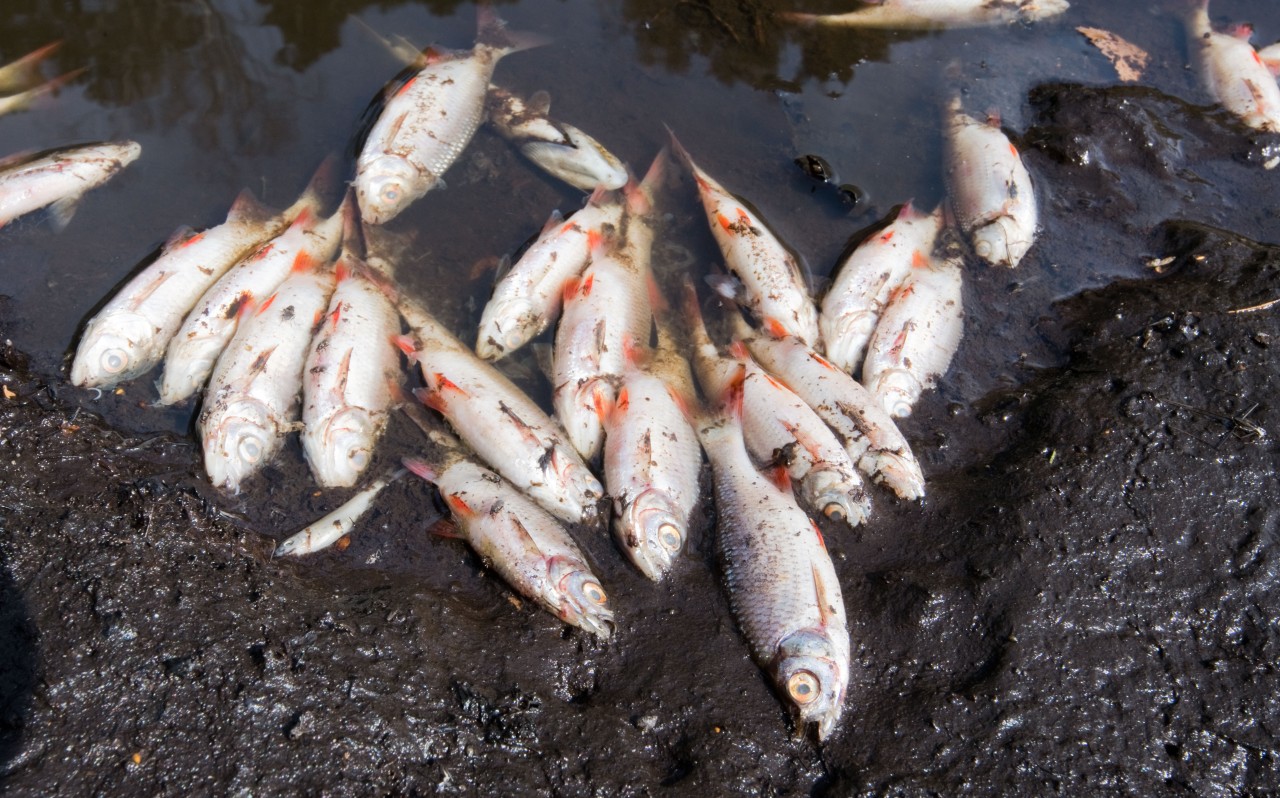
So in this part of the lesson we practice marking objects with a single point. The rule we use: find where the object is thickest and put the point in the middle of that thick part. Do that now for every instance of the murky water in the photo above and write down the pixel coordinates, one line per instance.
(236, 94)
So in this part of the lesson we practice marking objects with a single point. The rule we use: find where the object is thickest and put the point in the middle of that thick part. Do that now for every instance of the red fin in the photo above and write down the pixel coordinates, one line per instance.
(600, 403)
(1243, 31)
(598, 195)
(724, 222)
(739, 350)
(594, 239)
(825, 611)
(733, 393)
(778, 476)
(775, 328)
(443, 384)
(431, 400)
(657, 301)
(336, 315)
(409, 82)
(342, 271)
(571, 288)
(460, 506)
(887, 236)
(623, 402)
(193, 239)
(305, 217)
(918, 260)
(421, 468)
(446, 528)
(304, 262)
(631, 354)
(682, 404)
(405, 344)
(263, 307)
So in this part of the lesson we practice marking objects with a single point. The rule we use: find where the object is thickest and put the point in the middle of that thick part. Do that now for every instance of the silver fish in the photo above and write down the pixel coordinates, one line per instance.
(195, 348)
(560, 149)
(499, 422)
(352, 376)
(782, 586)
(865, 279)
(427, 122)
(931, 14)
(1233, 72)
(59, 178)
(252, 400)
(989, 187)
(520, 540)
(130, 334)
(917, 336)
(527, 299)
(324, 532)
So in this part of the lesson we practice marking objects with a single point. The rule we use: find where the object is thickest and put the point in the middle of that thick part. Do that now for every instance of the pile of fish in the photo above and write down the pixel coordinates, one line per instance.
(291, 321)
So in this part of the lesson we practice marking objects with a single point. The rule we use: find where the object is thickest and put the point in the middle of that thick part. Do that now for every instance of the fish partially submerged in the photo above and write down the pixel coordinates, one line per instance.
(427, 121)
(560, 149)
(59, 179)
(931, 14)
(1235, 74)
(782, 586)
(24, 73)
(517, 538)
(990, 188)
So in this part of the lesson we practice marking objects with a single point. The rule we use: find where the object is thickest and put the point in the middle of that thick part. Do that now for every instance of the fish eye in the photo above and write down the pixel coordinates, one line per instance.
(669, 537)
(983, 248)
(360, 458)
(594, 592)
(250, 450)
(834, 511)
(114, 361)
(390, 193)
(802, 687)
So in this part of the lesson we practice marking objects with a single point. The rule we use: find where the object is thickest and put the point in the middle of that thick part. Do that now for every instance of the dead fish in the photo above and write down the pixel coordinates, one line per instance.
(506, 428)
(652, 457)
(1233, 72)
(527, 299)
(130, 334)
(560, 149)
(427, 121)
(26, 98)
(772, 285)
(252, 399)
(917, 336)
(782, 586)
(865, 279)
(24, 73)
(59, 178)
(352, 375)
(326, 531)
(195, 348)
(931, 14)
(520, 540)
(990, 189)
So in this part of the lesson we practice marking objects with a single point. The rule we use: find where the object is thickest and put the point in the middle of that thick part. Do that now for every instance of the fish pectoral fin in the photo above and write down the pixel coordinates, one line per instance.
(827, 611)
(61, 211)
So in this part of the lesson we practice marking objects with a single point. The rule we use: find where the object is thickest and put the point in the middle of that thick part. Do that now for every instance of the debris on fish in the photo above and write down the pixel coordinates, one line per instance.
(867, 431)
(323, 533)
(195, 348)
(130, 334)
(1233, 72)
(782, 586)
(352, 375)
(934, 14)
(917, 336)
(560, 149)
(252, 399)
(506, 428)
(865, 279)
(427, 121)
(990, 189)
(771, 281)
(527, 299)
(59, 178)
(652, 458)
(520, 540)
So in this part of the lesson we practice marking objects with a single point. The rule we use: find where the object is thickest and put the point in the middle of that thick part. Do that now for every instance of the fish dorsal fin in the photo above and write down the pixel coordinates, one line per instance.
(540, 102)
(248, 208)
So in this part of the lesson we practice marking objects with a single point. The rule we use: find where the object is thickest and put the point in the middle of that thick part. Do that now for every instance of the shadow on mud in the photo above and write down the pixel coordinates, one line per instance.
(17, 668)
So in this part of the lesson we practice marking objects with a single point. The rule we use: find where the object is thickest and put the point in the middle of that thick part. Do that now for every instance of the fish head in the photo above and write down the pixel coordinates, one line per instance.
(345, 447)
(901, 472)
(506, 325)
(582, 601)
(897, 390)
(188, 364)
(1031, 10)
(834, 494)
(813, 677)
(580, 161)
(1002, 242)
(115, 347)
(238, 440)
(650, 533)
(386, 186)
(846, 336)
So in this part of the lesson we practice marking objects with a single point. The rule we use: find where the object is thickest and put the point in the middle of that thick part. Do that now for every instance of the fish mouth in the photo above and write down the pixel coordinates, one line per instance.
(836, 495)
(580, 599)
(650, 533)
(900, 474)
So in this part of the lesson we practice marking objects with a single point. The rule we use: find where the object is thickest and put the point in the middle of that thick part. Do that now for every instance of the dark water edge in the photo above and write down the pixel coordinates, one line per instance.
(1084, 604)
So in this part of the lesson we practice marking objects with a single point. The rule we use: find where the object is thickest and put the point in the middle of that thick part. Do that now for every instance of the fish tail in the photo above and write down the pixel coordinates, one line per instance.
(492, 32)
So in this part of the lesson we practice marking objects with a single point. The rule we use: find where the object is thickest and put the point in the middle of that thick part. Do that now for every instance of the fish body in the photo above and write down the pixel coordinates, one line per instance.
(59, 178)
(918, 335)
(934, 14)
(507, 429)
(990, 188)
(864, 281)
(328, 530)
(528, 298)
(427, 122)
(772, 284)
(521, 541)
(867, 431)
(651, 461)
(252, 399)
(781, 583)
(194, 349)
(351, 376)
(1233, 72)
(560, 149)
(130, 334)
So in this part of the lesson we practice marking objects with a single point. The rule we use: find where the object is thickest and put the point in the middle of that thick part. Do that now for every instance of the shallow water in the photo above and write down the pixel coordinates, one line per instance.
(229, 95)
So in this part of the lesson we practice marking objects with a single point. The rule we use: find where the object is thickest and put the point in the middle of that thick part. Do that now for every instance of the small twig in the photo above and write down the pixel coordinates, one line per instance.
(1233, 423)
(1252, 308)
